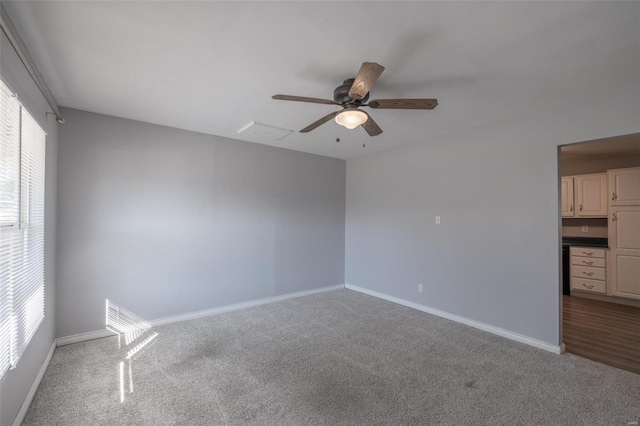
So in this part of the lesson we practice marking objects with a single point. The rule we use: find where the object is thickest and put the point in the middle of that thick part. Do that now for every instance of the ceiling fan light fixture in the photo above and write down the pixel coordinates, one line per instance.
(351, 118)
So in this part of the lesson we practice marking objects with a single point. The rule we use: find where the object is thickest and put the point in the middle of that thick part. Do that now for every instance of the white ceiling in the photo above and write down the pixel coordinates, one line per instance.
(213, 66)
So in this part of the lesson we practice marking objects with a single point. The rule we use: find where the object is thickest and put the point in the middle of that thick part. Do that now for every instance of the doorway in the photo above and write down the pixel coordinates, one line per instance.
(600, 281)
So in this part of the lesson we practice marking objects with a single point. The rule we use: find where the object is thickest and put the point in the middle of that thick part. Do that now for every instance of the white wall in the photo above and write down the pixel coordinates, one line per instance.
(16, 383)
(496, 256)
(166, 222)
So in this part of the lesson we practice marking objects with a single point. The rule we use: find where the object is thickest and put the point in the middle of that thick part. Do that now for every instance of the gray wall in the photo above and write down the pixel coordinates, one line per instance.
(165, 222)
(495, 257)
(584, 166)
(16, 383)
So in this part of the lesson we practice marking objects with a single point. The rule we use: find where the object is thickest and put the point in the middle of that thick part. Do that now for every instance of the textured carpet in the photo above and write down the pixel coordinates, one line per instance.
(338, 358)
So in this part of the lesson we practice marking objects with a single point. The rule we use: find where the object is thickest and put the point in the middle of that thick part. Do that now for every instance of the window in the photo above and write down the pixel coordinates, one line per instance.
(22, 172)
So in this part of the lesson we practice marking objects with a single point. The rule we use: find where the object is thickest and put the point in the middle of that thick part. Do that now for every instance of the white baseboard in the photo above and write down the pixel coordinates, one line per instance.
(83, 337)
(98, 334)
(243, 305)
(34, 387)
(558, 349)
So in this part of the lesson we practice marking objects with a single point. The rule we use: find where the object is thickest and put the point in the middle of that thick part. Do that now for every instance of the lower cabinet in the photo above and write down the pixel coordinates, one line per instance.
(594, 286)
(588, 269)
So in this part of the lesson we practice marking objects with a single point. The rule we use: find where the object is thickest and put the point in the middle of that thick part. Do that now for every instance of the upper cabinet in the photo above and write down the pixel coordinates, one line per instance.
(624, 187)
(567, 197)
(584, 196)
(591, 195)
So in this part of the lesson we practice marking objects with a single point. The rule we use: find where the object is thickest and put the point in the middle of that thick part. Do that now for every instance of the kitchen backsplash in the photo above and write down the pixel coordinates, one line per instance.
(573, 228)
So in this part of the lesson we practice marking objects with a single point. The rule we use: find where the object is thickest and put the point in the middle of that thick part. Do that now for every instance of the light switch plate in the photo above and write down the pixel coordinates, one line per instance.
(437, 220)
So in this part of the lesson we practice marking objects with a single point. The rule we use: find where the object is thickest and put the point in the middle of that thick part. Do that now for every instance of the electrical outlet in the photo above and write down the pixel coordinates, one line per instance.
(585, 228)
(419, 288)
(437, 220)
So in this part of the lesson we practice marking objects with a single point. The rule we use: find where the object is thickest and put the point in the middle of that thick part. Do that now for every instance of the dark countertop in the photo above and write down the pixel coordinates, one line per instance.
(585, 242)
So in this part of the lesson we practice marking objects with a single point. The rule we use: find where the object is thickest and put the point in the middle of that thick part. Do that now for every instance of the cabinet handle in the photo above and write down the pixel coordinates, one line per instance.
(588, 253)
(614, 217)
(580, 207)
(613, 196)
(587, 273)
(571, 208)
(590, 286)
(587, 263)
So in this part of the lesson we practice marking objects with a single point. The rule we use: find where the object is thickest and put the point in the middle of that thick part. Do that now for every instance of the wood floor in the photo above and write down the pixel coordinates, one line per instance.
(605, 332)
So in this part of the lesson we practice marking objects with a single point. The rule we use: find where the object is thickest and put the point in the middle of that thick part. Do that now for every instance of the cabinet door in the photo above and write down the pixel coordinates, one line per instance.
(624, 238)
(591, 196)
(624, 187)
(566, 200)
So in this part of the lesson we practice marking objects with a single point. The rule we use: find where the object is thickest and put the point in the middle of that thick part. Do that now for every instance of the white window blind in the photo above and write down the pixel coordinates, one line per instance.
(22, 185)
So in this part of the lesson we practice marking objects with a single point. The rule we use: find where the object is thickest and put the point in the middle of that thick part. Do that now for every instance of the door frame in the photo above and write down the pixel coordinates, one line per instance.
(559, 216)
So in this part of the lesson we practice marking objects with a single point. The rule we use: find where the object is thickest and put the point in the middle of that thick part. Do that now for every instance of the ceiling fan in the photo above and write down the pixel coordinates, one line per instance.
(352, 94)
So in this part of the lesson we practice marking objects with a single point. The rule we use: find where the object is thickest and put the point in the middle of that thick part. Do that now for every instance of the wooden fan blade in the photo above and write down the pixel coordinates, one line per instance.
(371, 126)
(368, 74)
(304, 99)
(403, 103)
(320, 122)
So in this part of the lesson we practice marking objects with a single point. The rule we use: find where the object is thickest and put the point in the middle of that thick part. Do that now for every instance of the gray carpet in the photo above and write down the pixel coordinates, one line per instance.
(339, 358)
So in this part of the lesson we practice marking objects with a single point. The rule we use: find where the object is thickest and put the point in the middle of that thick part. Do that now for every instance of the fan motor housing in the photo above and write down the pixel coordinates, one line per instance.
(341, 95)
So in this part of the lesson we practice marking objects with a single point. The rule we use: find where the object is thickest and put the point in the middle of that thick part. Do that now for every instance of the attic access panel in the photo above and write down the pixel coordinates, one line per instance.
(260, 133)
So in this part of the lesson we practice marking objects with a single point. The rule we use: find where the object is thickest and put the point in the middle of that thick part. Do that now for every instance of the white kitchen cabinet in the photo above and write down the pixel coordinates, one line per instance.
(624, 240)
(591, 195)
(567, 197)
(624, 187)
(588, 269)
